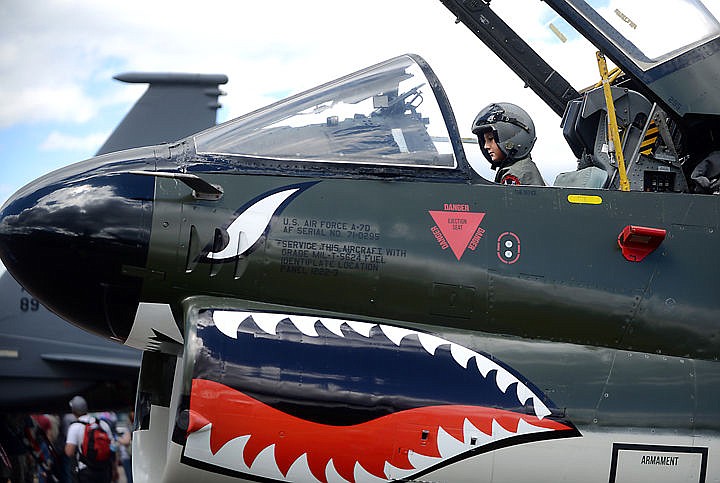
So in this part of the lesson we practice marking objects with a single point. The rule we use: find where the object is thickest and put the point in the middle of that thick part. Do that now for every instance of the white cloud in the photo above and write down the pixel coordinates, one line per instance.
(55, 53)
(48, 103)
(57, 141)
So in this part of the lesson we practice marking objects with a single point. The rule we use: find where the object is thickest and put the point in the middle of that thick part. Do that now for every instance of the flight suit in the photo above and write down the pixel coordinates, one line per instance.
(520, 172)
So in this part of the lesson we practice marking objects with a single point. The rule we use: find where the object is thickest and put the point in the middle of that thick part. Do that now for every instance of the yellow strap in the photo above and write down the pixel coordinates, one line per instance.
(612, 122)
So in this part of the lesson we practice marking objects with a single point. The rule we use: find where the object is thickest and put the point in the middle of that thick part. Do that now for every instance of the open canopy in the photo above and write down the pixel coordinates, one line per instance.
(667, 46)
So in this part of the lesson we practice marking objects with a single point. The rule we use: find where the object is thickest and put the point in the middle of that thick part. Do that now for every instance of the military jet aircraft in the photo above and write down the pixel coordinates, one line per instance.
(324, 290)
(45, 361)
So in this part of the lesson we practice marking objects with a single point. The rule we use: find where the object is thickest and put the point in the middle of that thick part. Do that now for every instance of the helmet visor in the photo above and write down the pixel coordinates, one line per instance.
(494, 114)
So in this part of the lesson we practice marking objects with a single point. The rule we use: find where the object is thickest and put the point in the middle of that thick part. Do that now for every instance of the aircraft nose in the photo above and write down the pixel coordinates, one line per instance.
(71, 237)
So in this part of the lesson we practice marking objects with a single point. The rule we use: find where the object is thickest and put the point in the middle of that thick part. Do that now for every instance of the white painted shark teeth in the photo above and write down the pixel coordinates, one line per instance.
(449, 447)
(394, 473)
(229, 456)
(362, 328)
(332, 474)
(363, 476)
(334, 326)
(265, 465)
(396, 334)
(462, 355)
(300, 471)
(228, 323)
(473, 436)
(430, 342)
(526, 428)
(417, 460)
(306, 325)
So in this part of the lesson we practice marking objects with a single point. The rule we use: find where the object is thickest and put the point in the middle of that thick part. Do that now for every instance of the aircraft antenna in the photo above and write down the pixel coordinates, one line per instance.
(614, 134)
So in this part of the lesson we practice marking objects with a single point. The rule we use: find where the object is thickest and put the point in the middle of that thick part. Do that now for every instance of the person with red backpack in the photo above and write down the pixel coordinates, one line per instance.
(91, 442)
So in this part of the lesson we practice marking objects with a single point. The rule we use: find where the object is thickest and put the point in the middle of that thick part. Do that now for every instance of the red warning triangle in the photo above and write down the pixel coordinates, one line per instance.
(458, 228)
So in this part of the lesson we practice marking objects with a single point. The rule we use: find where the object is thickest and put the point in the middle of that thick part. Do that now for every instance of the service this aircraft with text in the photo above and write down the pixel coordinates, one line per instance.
(325, 290)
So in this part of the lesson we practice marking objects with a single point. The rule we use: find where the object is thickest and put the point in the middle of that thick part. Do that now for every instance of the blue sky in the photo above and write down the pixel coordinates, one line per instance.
(57, 59)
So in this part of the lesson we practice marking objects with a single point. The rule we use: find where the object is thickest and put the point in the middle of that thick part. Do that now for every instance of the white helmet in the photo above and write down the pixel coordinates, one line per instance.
(512, 127)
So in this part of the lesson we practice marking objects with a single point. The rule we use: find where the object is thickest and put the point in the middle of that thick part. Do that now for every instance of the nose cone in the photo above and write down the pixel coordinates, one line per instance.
(70, 236)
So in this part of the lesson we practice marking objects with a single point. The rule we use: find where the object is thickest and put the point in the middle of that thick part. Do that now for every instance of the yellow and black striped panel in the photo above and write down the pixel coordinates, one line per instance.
(651, 136)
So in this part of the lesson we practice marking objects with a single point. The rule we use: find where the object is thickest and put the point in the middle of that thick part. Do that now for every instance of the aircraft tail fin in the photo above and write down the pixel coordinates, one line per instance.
(174, 106)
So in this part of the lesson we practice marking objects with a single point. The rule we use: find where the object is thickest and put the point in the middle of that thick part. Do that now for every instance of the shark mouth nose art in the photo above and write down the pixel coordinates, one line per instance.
(313, 399)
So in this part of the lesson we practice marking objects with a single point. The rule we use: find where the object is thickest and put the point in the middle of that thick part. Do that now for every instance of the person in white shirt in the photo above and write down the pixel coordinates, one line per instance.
(104, 473)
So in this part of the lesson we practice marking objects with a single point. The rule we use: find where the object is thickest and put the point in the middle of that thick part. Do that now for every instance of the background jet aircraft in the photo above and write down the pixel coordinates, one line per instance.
(46, 360)
(340, 297)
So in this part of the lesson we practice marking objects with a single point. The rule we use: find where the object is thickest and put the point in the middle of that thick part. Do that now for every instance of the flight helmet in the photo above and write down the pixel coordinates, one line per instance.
(512, 127)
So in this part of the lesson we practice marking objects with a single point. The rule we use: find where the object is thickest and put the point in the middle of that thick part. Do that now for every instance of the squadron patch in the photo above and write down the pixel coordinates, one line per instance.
(510, 179)
(457, 228)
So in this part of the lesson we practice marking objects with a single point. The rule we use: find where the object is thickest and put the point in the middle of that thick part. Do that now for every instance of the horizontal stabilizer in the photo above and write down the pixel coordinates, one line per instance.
(172, 78)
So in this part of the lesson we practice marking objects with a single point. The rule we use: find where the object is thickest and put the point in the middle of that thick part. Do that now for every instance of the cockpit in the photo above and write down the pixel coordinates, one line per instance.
(667, 109)
(386, 115)
(394, 118)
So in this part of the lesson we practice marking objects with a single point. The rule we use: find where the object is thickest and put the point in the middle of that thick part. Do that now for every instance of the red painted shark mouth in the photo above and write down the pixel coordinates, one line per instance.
(234, 431)
(277, 397)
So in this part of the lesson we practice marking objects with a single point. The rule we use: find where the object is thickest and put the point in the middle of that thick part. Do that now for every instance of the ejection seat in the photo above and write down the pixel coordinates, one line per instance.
(585, 129)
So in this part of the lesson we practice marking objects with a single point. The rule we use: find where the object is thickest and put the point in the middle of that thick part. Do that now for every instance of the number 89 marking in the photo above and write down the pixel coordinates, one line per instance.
(29, 304)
